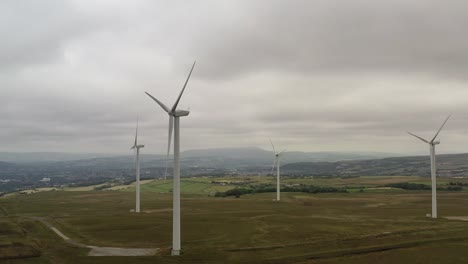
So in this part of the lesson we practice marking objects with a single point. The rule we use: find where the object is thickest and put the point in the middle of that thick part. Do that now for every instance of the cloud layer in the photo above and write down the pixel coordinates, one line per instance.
(313, 75)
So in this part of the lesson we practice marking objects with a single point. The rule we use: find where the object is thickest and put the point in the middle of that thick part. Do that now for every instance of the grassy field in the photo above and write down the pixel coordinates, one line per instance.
(199, 186)
(384, 226)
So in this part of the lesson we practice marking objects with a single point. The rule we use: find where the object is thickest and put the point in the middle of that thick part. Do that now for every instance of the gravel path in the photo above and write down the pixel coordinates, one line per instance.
(101, 251)
(461, 218)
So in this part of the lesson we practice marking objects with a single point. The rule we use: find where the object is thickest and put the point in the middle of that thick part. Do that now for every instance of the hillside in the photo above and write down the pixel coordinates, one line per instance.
(252, 156)
(6, 165)
(447, 165)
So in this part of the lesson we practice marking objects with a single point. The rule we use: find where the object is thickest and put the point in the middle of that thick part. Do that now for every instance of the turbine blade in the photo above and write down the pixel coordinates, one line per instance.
(165, 173)
(181, 92)
(418, 137)
(440, 129)
(159, 102)
(272, 145)
(136, 135)
(134, 157)
(274, 165)
(169, 136)
(169, 140)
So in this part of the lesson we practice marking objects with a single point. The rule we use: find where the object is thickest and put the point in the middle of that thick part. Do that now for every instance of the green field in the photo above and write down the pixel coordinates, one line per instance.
(373, 226)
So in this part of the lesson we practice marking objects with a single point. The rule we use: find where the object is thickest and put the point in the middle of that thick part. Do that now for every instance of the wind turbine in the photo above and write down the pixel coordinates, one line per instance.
(136, 148)
(432, 143)
(277, 163)
(174, 115)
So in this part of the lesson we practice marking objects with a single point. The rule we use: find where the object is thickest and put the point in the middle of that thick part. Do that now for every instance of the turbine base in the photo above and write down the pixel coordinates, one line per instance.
(175, 252)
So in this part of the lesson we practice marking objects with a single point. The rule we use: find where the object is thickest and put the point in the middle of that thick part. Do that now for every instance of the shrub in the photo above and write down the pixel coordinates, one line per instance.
(237, 192)
(409, 186)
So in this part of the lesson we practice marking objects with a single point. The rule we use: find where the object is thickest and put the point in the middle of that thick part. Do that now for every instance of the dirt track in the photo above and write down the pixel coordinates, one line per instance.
(101, 251)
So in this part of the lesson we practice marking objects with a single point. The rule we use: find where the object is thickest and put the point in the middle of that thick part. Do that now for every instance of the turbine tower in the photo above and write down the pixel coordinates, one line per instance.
(432, 145)
(174, 115)
(276, 163)
(136, 149)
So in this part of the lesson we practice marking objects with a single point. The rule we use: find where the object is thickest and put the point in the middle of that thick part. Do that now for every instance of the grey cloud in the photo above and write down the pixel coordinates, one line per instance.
(314, 75)
(35, 32)
(331, 36)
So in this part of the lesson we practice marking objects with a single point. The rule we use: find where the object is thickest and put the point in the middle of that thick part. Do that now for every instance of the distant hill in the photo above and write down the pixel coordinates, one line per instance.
(244, 161)
(218, 162)
(252, 156)
(6, 165)
(33, 157)
(447, 165)
(230, 158)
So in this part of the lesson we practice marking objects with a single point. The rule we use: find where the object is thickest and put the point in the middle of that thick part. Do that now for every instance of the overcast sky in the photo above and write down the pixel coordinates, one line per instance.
(313, 75)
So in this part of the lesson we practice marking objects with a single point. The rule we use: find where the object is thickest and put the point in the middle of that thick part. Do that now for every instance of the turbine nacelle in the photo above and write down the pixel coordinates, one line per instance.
(277, 154)
(138, 146)
(179, 112)
(436, 142)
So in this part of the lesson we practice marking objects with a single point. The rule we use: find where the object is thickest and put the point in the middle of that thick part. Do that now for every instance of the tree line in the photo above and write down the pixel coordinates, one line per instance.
(237, 192)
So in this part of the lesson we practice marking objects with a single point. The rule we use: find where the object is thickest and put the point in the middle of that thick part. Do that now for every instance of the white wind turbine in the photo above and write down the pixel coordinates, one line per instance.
(174, 115)
(277, 163)
(136, 148)
(432, 144)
